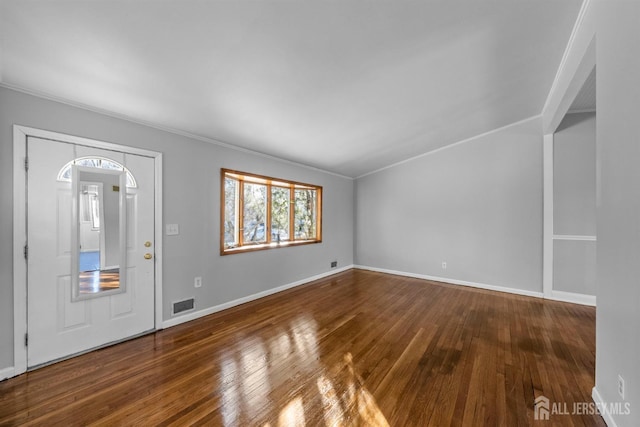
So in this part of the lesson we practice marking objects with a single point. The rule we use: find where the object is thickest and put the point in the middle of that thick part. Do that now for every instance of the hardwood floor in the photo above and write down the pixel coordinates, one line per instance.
(354, 349)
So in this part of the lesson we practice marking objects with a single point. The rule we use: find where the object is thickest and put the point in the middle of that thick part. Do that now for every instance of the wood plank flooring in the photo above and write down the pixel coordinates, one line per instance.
(355, 349)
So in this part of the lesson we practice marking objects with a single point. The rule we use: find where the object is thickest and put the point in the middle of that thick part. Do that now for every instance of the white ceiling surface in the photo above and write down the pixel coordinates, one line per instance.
(346, 86)
(586, 98)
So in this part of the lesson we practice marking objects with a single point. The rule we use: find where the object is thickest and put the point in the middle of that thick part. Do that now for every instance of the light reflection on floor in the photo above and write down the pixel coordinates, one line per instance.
(255, 378)
(230, 398)
(292, 415)
(338, 388)
(98, 281)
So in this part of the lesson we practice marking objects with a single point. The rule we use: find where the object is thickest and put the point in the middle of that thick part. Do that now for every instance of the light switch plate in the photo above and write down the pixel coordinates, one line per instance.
(173, 229)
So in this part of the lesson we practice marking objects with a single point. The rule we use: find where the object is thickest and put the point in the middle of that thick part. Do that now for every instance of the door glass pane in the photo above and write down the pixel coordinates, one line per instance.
(280, 201)
(255, 213)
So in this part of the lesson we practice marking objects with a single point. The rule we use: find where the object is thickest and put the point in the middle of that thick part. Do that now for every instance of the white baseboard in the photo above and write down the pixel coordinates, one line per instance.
(608, 419)
(205, 312)
(7, 373)
(455, 281)
(573, 298)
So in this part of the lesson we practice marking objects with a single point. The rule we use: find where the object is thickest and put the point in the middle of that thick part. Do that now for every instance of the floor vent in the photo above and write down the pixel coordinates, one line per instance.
(186, 305)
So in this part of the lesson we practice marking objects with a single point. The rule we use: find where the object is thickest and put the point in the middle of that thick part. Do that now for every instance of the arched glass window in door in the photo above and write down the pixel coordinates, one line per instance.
(95, 162)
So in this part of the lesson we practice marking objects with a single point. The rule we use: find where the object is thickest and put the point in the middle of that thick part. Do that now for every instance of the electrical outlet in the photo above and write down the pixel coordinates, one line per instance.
(621, 386)
(197, 282)
(444, 265)
(334, 264)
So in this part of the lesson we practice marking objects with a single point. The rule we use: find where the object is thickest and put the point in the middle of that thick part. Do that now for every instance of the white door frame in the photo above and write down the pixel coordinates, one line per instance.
(20, 135)
(547, 229)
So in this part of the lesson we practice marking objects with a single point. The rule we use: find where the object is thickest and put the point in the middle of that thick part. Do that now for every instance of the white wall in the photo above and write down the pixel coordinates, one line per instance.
(476, 206)
(618, 205)
(191, 199)
(574, 204)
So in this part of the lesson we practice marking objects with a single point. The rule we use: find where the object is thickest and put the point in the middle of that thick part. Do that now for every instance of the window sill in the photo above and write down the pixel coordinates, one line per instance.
(266, 246)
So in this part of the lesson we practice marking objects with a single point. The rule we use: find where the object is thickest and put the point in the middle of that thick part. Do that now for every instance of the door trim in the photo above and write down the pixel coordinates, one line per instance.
(547, 222)
(20, 135)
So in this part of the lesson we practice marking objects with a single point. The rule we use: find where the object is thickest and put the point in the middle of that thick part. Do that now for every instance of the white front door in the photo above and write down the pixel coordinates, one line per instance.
(63, 321)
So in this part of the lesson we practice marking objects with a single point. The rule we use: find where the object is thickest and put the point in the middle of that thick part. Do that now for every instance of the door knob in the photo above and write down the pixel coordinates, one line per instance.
(148, 256)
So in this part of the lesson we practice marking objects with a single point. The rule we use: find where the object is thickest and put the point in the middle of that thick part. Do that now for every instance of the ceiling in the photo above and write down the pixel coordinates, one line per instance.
(345, 86)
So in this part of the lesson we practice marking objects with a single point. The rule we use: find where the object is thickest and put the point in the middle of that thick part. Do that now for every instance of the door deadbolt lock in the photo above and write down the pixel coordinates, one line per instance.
(147, 244)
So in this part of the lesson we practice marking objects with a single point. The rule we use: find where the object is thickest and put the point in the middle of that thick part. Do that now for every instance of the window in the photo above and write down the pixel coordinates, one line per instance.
(95, 162)
(259, 212)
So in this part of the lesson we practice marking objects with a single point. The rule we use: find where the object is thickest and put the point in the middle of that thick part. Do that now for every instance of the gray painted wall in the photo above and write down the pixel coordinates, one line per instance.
(476, 206)
(618, 205)
(574, 266)
(191, 199)
(574, 203)
(574, 176)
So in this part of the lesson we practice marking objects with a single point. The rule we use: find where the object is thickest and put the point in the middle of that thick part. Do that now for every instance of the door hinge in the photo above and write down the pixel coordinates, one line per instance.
(26, 163)
(26, 251)
(26, 340)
